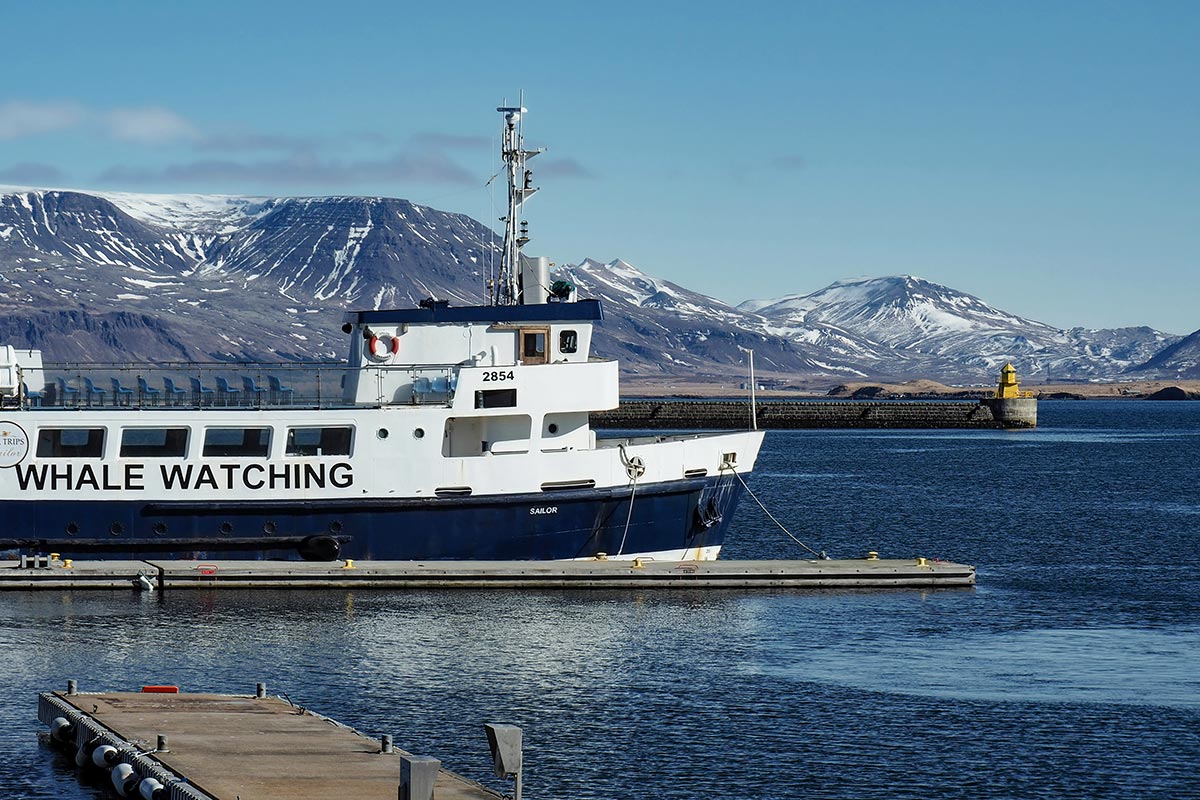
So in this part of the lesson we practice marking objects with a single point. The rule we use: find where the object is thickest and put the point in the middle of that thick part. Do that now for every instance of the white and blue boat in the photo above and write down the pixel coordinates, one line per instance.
(449, 433)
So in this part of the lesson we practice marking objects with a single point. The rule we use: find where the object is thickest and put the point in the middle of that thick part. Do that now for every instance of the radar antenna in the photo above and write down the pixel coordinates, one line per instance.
(507, 290)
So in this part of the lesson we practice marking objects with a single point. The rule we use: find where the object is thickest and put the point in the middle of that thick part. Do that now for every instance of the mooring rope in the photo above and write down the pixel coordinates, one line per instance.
(635, 468)
(750, 491)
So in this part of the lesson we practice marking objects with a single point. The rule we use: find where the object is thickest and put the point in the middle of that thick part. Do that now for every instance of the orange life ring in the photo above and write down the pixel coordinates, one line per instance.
(390, 348)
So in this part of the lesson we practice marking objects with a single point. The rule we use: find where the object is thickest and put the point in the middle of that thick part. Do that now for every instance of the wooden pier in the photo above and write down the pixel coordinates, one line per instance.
(236, 747)
(864, 573)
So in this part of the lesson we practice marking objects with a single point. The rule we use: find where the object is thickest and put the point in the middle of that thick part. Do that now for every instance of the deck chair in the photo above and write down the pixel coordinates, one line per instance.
(147, 392)
(93, 391)
(174, 393)
(279, 391)
(121, 395)
(67, 392)
(227, 393)
(252, 388)
(200, 392)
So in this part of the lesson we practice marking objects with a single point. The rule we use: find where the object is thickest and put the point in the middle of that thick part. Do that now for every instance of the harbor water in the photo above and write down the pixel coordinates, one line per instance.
(1069, 671)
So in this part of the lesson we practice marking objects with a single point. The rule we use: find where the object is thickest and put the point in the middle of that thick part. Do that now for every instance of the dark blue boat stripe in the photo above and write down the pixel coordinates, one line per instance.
(530, 526)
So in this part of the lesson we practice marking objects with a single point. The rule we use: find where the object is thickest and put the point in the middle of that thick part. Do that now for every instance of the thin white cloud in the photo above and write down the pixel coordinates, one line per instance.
(150, 125)
(298, 170)
(19, 119)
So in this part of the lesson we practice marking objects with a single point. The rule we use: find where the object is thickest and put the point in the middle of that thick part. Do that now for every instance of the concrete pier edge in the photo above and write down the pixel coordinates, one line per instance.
(149, 575)
(676, 414)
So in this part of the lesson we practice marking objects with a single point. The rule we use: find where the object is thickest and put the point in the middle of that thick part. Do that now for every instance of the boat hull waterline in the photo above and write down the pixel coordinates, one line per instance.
(681, 520)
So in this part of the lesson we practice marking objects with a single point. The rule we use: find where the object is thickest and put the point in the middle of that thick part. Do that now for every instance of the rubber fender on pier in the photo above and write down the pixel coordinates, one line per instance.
(151, 789)
(105, 756)
(320, 548)
(125, 779)
(61, 729)
(87, 751)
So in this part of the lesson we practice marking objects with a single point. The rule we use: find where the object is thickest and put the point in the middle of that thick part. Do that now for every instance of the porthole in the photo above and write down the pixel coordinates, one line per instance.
(160, 528)
(226, 528)
(382, 433)
(72, 528)
(269, 528)
(552, 427)
(418, 433)
(116, 529)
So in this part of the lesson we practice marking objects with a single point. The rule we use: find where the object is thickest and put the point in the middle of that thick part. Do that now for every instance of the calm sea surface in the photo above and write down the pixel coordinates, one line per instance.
(1071, 671)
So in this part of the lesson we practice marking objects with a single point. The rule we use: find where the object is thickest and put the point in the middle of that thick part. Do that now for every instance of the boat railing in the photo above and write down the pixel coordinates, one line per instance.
(232, 385)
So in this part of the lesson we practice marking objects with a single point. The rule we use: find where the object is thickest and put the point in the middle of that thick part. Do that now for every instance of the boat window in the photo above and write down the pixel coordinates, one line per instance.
(70, 443)
(533, 346)
(568, 341)
(496, 398)
(319, 441)
(237, 442)
(154, 442)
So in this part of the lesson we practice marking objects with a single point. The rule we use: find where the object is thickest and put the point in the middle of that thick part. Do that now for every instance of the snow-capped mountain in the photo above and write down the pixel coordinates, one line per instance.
(120, 277)
(115, 277)
(1179, 360)
(956, 335)
(658, 327)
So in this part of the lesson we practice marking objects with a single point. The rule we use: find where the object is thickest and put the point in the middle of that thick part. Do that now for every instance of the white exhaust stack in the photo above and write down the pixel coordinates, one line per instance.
(535, 279)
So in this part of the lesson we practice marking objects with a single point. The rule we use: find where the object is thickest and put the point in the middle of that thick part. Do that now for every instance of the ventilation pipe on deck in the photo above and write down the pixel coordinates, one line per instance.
(535, 279)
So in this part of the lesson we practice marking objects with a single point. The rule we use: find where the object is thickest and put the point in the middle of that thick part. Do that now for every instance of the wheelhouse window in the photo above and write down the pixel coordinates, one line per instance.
(246, 442)
(154, 442)
(319, 441)
(533, 345)
(70, 443)
(568, 341)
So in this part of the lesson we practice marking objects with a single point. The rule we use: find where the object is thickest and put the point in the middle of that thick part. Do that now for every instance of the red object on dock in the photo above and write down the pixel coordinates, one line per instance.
(160, 690)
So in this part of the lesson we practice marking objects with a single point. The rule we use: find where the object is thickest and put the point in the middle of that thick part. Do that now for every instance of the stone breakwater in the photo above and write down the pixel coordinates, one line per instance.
(722, 414)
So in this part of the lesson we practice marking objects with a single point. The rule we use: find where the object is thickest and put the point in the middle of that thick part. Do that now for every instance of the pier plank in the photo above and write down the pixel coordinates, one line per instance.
(251, 748)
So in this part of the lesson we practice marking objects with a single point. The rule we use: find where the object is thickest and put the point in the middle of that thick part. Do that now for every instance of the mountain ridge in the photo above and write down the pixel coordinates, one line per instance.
(120, 276)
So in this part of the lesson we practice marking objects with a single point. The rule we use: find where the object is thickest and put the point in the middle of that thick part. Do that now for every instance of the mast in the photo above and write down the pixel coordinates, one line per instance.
(508, 289)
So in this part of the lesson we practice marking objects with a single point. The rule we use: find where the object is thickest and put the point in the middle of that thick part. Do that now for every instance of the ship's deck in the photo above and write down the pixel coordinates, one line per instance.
(227, 385)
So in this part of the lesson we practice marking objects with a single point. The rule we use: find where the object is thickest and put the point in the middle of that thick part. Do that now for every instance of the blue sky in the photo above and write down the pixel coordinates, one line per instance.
(1042, 156)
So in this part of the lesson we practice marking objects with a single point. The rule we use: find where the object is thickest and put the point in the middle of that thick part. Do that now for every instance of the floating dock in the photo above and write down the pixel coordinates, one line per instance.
(863, 573)
(169, 746)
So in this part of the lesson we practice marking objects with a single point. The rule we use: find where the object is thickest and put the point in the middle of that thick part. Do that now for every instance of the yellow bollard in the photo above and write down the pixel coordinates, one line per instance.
(639, 563)
(349, 564)
(67, 564)
(54, 556)
(922, 561)
(872, 556)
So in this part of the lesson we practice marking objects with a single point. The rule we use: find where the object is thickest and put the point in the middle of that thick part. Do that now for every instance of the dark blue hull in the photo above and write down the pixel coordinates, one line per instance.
(665, 517)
